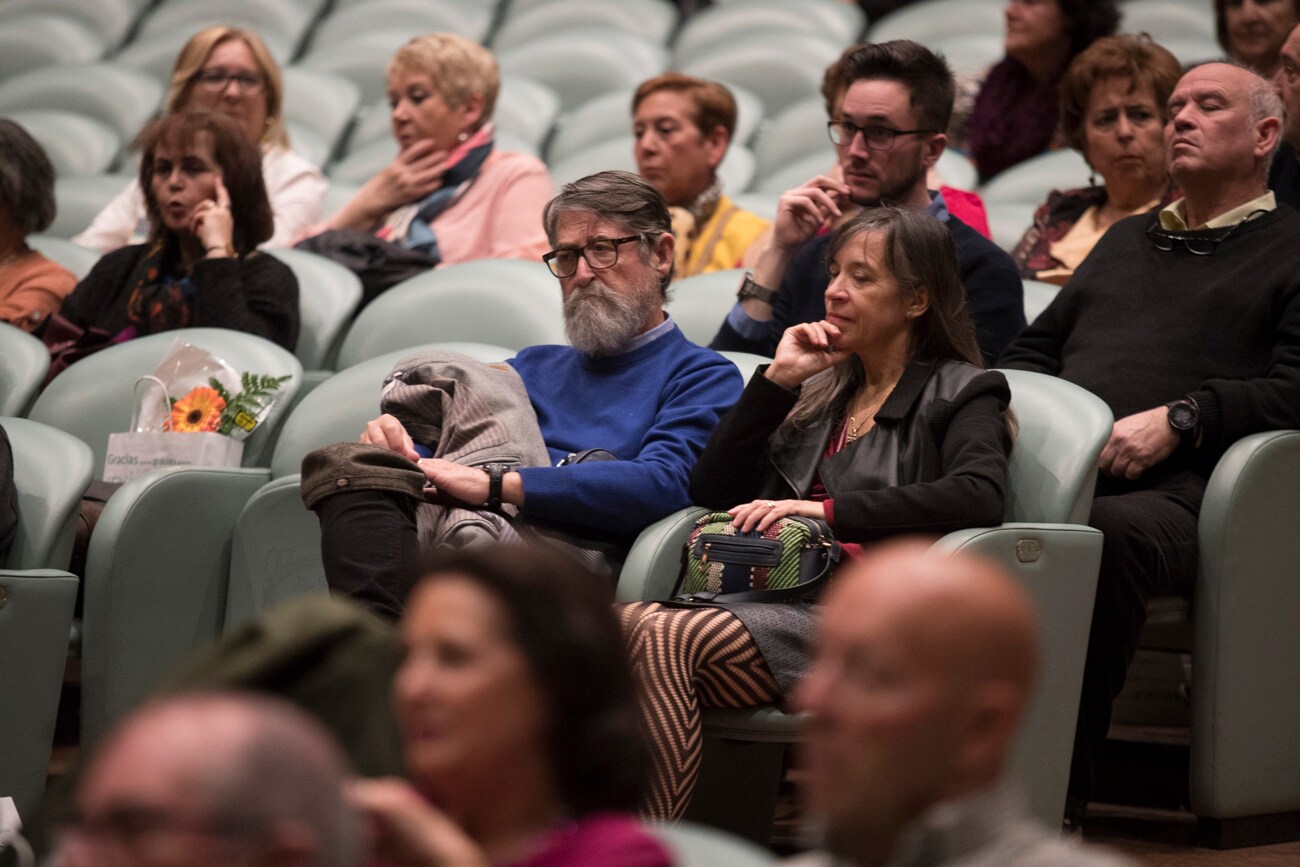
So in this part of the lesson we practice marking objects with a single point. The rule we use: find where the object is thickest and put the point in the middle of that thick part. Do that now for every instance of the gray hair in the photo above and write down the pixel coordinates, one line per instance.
(619, 197)
(280, 765)
(26, 179)
(1264, 103)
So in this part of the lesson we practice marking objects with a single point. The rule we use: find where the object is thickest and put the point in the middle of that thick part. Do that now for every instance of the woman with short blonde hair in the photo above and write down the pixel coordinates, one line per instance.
(449, 194)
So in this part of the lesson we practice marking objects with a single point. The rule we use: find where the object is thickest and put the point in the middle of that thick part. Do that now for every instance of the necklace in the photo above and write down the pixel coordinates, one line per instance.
(854, 428)
(12, 257)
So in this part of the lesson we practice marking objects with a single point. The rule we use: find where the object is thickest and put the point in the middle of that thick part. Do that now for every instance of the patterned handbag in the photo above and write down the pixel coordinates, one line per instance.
(786, 562)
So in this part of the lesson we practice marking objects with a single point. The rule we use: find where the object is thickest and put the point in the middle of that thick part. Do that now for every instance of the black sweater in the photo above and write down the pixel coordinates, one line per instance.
(1140, 327)
(257, 294)
(994, 294)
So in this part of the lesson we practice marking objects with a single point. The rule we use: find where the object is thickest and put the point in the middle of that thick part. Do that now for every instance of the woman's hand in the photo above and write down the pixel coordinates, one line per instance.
(760, 514)
(412, 175)
(212, 223)
(388, 433)
(406, 830)
(805, 350)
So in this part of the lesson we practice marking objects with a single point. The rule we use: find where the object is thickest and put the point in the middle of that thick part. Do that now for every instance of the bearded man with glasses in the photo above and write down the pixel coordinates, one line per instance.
(1186, 321)
(589, 443)
(892, 102)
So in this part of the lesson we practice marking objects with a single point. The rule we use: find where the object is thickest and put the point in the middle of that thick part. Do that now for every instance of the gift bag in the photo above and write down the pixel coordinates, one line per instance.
(133, 454)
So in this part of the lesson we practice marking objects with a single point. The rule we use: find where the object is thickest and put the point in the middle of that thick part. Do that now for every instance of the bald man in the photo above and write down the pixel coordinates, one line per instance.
(1186, 322)
(217, 779)
(924, 666)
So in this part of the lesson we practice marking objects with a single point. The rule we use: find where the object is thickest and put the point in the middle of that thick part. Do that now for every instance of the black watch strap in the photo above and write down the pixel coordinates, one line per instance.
(495, 472)
(750, 289)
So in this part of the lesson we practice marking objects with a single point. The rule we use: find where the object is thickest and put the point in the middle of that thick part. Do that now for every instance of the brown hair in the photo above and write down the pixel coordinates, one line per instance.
(458, 67)
(26, 180)
(925, 74)
(561, 617)
(189, 63)
(1137, 58)
(241, 172)
(1221, 22)
(714, 105)
(919, 254)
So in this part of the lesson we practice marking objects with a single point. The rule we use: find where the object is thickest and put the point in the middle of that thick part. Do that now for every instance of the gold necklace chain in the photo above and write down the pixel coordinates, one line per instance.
(854, 429)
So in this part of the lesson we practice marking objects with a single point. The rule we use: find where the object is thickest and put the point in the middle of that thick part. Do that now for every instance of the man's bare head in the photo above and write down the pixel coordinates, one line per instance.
(215, 779)
(1224, 127)
(924, 666)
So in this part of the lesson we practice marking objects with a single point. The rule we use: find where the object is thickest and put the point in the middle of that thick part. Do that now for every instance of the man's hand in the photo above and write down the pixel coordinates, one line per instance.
(760, 514)
(457, 481)
(387, 433)
(1137, 443)
(802, 211)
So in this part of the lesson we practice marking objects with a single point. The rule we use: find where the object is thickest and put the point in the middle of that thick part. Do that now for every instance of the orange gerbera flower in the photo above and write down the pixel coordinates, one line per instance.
(200, 410)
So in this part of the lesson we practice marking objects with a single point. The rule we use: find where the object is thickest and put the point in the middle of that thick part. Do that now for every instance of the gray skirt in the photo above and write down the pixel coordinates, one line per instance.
(783, 632)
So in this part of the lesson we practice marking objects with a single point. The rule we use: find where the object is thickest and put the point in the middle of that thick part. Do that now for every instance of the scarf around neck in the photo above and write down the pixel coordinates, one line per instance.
(162, 296)
(462, 168)
(1014, 118)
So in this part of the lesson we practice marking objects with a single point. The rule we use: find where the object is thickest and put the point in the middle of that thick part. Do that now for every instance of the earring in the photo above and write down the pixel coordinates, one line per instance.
(462, 136)
(1092, 177)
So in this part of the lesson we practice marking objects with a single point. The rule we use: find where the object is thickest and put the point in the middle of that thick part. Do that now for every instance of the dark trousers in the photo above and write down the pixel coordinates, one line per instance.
(370, 548)
(1150, 549)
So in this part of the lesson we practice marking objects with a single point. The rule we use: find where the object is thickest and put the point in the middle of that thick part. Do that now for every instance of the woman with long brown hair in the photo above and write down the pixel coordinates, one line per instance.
(878, 420)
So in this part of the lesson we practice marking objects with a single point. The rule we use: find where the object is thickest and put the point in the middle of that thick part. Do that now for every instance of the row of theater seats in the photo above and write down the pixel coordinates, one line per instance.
(566, 100)
(181, 555)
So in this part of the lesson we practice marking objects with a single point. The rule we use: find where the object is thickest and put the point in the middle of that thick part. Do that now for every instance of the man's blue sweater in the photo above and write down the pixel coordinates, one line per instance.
(654, 407)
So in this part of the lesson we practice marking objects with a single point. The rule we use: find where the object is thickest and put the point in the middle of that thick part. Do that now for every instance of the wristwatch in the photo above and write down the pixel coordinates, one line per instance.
(1184, 415)
(495, 472)
(750, 289)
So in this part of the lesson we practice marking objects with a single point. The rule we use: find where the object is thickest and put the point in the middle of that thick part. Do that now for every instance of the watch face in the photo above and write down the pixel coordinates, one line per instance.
(1182, 416)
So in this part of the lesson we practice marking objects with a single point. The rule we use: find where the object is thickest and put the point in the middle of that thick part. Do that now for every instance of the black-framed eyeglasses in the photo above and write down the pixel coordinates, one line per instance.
(881, 138)
(217, 80)
(1197, 245)
(600, 253)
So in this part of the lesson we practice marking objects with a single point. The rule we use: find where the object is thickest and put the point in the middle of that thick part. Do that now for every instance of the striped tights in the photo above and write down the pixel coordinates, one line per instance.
(682, 659)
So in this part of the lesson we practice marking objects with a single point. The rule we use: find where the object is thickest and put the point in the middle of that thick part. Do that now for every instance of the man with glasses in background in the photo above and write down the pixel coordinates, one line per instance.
(1186, 321)
(624, 411)
(896, 101)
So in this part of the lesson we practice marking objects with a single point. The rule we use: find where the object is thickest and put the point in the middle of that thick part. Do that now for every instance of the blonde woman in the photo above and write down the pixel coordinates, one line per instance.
(229, 71)
(449, 193)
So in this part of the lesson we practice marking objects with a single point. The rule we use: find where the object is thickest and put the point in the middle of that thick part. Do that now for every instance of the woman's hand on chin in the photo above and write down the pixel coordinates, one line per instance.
(406, 830)
(805, 350)
(761, 514)
(212, 224)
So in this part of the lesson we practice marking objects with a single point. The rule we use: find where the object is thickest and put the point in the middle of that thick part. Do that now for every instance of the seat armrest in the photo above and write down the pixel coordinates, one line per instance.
(35, 616)
(650, 571)
(1245, 757)
(155, 583)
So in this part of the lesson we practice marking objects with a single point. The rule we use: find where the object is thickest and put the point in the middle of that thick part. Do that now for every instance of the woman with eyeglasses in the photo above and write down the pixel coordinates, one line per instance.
(1008, 113)
(230, 71)
(450, 193)
(199, 267)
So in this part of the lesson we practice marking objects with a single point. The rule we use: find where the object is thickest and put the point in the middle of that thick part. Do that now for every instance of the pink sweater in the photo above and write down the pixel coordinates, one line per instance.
(498, 217)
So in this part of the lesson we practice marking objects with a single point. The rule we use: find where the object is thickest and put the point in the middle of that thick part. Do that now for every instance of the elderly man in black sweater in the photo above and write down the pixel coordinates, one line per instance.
(1186, 322)
(894, 103)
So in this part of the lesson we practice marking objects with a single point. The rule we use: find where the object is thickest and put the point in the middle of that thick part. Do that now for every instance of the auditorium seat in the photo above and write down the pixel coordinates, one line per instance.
(647, 19)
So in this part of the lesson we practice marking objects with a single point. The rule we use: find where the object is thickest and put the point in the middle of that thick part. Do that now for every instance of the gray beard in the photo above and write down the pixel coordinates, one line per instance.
(599, 320)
